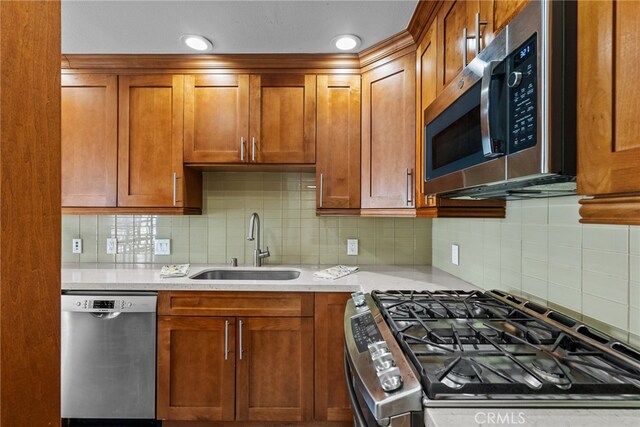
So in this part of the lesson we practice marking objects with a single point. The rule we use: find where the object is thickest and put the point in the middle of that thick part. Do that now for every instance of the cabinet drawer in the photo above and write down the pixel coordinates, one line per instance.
(222, 303)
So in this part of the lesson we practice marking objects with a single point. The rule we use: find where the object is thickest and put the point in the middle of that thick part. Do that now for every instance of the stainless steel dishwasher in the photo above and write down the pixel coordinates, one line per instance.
(108, 360)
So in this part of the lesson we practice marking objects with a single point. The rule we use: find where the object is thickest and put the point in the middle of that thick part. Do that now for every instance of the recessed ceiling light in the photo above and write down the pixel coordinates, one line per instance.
(196, 42)
(346, 42)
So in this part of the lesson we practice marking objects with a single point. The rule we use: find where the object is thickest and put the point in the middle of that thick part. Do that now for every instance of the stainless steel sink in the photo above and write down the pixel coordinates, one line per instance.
(234, 274)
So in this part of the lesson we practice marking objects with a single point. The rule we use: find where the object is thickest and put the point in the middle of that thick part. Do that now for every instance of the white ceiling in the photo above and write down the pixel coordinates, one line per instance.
(240, 26)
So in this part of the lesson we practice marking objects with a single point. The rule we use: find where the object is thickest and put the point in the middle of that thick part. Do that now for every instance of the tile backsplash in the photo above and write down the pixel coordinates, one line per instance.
(289, 226)
(541, 251)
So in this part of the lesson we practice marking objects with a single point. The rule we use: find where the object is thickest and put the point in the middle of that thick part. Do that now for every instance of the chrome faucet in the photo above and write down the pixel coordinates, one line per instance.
(254, 230)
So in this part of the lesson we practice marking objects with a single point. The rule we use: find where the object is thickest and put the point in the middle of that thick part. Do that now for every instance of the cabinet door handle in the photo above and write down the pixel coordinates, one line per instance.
(175, 188)
(409, 187)
(253, 149)
(240, 339)
(465, 37)
(321, 189)
(478, 38)
(226, 339)
(242, 149)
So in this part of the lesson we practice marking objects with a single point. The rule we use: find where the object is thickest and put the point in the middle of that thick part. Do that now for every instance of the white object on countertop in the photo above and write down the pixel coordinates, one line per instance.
(174, 270)
(335, 272)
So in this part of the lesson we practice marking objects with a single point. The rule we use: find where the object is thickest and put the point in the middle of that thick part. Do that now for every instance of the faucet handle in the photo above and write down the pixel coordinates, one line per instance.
(234, 262)
(265, 254)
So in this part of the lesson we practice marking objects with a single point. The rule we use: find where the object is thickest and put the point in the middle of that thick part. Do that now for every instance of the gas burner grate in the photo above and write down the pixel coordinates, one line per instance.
(472, 343)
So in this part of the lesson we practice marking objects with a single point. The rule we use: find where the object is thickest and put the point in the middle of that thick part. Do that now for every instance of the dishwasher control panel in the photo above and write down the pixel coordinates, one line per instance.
(108, 304)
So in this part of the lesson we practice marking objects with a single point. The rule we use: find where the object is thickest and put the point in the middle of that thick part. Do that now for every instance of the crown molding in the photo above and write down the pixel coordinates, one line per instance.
(386, 48)
(422, 17)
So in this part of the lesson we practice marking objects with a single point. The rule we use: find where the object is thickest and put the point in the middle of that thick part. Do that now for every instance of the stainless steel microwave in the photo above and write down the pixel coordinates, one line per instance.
(506, 128)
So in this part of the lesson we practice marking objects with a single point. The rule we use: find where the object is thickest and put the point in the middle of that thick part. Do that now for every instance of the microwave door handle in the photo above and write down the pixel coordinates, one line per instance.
(488, 147)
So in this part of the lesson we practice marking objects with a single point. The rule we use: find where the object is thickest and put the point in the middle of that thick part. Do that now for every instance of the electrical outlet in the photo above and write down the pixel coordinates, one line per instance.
(162, 247)
(352, 246)
(455, 254)
(112, 246)
(77, 246)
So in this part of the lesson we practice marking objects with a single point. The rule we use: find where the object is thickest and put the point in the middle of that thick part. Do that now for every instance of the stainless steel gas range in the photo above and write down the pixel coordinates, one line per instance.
(406, 352)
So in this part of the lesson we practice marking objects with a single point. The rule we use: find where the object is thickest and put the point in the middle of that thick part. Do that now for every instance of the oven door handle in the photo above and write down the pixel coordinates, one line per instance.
(491, 147)
(357, 411)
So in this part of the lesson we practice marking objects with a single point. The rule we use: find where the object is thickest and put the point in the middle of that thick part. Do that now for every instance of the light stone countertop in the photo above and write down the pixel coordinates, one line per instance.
(146, 277)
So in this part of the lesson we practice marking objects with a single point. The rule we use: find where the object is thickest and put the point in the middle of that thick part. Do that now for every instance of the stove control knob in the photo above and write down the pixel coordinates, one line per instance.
(378, 347)
(383, 361)
(358, 298)
(127, 304)
(78, 304)
(390, 379)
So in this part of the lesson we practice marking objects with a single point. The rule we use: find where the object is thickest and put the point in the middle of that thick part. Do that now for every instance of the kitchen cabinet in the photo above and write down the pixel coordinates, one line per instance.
(338, 137)
(249, 119)
(216, 118)
(89, 151)
(388, 129)
(331, 398)
(196, 368)
(282, 118)
(150, 144)
(607, 123)
(253, 350)
(466, 27)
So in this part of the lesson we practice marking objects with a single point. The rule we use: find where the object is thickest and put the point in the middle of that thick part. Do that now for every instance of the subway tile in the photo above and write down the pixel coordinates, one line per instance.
(606, 287)
(568, 297)
(611, 238)
(634, 268)
(565, 256)
(634, 294)
(634, 240)
(607, 328)
(564, 275)
(634, 320)
(610, 312)
(535, 286)
(564, 214)
(535, 268)
(564, 235)
(535, 211)
(609, 263)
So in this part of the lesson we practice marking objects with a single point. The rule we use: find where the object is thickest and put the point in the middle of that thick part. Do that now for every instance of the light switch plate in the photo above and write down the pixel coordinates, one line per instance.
(455, 254)
(352, 246)
(162, 247)
(76, 245)
(112, 246)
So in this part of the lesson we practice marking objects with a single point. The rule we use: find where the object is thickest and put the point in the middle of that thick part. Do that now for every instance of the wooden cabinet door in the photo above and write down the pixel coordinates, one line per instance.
(426, 66)
(388, 134)
(332, 401)
(608, 102)
(451, 22)
(338, 161)
(282, 117)
(89, 140)
(274, 376)
(150, 141)
(195, 375)
(216, 118)
(504, 11)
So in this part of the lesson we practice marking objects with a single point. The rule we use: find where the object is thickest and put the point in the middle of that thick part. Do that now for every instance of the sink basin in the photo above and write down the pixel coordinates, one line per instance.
(246, 275)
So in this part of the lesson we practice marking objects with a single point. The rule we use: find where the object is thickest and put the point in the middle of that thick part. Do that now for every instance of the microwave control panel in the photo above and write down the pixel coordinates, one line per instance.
(523, 96)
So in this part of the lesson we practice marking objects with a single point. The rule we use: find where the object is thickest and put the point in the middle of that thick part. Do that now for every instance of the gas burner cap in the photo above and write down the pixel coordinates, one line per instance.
(550, 371)
(460, 374)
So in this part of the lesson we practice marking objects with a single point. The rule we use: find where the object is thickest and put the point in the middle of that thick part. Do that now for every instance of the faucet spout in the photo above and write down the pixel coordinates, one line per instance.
(254, 234)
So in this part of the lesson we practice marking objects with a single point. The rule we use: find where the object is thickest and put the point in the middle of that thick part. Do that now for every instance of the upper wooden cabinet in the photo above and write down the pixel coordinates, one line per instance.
(338, 134)
(89, 140)
(466, 27)
(246, 119)
(282, 118)
(150, 165)
(608, 102)
(388, 130)
(216, 118)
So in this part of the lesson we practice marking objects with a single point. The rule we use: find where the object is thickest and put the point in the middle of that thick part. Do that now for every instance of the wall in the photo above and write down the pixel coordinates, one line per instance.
(541, 251)
(288, 223)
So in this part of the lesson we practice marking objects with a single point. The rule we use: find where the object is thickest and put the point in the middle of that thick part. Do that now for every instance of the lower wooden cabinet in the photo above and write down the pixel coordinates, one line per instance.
(196, 376)
(274, 373)
(253, 369)
(331, 397)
